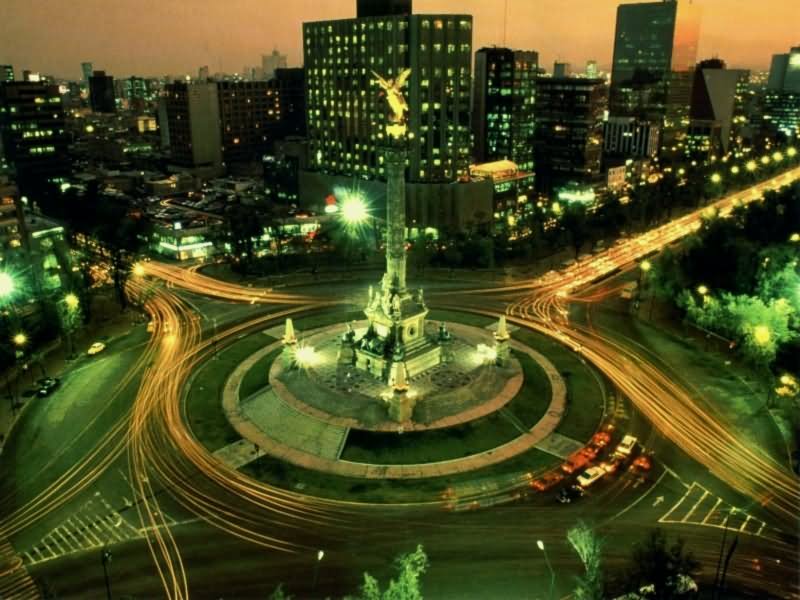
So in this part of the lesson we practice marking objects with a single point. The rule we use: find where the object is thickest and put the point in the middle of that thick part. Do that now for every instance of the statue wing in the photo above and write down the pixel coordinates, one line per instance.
(381, 81)
(401, 79)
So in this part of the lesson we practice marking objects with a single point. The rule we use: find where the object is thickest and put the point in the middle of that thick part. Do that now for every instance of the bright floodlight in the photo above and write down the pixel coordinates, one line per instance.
(645, 265)
(138, 269)
(6, 285)
(702, 290)
(540, 545)
(761, 334)
(71, 301)
(795, 237)
(306, 356)
(354, 209)
(716, 178)
(20, 339)
(751, 165)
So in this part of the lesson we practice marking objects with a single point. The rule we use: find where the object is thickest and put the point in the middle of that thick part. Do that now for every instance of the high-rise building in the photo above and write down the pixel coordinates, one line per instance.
(503, 105)
(562, 69)
(784, 73)
(6, 73)
(202, 73)
(592, 71)
(569, 130)
(86, 71)
(136, 91)
(271, 62)
(249, 117)
(712, 108)
(101, 93)
(190, 124)
(781, 103)
(33, 134)
(382, 8)
(629, 137)
(346, 113)
(655, 49)
(290, 86)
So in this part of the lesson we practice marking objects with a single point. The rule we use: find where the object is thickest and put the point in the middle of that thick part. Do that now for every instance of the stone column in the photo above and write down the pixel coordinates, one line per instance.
(395, 161)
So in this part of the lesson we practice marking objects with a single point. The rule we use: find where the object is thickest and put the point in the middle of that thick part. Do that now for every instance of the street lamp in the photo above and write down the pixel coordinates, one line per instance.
(751, 165)
(794, 238)
(791, 152)
(540, 545)
(138, 269)
(354, 209)
(761, 334)
(735, 169)
(702, 290)
(106, 558)
(71, 300)
(320, 556)
(20, 339)
(716, 178)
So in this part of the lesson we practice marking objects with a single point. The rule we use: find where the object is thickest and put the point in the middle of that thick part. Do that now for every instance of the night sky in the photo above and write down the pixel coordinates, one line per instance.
(156, 37)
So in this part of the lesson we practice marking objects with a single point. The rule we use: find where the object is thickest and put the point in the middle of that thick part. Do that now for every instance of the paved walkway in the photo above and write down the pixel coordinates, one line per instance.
(272, 446)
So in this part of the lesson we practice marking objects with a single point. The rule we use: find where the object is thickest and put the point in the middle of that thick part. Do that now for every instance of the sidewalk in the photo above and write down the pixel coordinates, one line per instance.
(54, 363)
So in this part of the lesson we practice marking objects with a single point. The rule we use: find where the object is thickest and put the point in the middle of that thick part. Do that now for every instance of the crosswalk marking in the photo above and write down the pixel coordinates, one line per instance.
(699, 506)
(95, 524)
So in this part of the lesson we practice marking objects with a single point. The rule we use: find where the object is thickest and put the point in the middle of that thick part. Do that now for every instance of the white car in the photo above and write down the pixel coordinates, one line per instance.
(590, 476)
(626, 446)
(96, 348)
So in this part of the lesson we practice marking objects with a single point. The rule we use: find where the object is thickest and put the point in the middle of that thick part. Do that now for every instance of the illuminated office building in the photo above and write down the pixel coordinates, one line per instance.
(569, 130)
(346, 111)
(503, 106)
(655, 50)
(190, 125)
(781, 104)
(33, 135)
(86, 71)
(249, 117)
(6, 73)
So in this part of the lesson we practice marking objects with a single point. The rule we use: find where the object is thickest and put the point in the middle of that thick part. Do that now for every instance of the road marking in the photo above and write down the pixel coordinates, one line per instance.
(696, 504)
(746, 521)
(711, 512)
(55, 543)
(639, 499)
(688, 491)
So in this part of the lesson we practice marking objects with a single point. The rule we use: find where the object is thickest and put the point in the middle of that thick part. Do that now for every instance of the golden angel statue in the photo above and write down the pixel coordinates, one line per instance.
(394, 96)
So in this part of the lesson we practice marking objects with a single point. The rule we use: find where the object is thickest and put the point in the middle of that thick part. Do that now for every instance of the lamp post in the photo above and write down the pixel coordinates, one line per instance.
(540, 545)
(19, 339)
(320, 556)
(72, 305)
(106, 558)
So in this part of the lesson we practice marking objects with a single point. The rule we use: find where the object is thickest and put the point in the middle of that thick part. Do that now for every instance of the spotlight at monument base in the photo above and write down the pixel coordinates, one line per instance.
(306, 356)
(486, 354)
(354, 209)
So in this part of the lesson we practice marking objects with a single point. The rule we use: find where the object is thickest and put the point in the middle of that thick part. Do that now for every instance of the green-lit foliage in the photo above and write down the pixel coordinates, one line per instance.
(407, 586)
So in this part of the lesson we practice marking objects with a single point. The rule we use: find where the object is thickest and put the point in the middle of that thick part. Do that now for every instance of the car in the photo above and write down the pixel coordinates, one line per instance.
(96, 348)
(548, 481)
(601, 439)
(47, 386)
(568, 494)
(590, 476)
(626, 446)
(642, 463)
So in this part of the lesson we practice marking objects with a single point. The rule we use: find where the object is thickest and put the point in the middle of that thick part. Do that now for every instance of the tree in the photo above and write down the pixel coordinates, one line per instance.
(663, 566)
(407, 586)
(245, 226)
(575, 224)
(588, 546)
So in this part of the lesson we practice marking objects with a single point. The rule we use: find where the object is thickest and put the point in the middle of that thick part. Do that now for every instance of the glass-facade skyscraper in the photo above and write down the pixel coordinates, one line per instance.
(503, 105)
(346, 113)
(655, 49)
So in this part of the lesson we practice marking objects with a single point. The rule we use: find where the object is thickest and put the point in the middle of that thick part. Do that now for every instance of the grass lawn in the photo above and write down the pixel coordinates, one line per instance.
(531, 402)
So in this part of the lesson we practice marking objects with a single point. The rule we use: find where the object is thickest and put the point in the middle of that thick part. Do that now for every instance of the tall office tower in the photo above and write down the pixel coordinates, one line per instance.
(290, 86)
(346, 113)
(712, 108)
(33, 133)
(101, 93)
(561, 69)
(655, 49)
(202, 73)
(190, 125)
(592, 71)
(629, 137)
(271, 62)
(249, 116)
(6, 73)
(136, 90)
(503, 105)
(86, 71)
(781, 103)
(569, 130)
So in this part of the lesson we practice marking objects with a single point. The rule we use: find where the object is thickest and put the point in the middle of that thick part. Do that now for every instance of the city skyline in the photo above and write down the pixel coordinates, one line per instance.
(144, 40)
